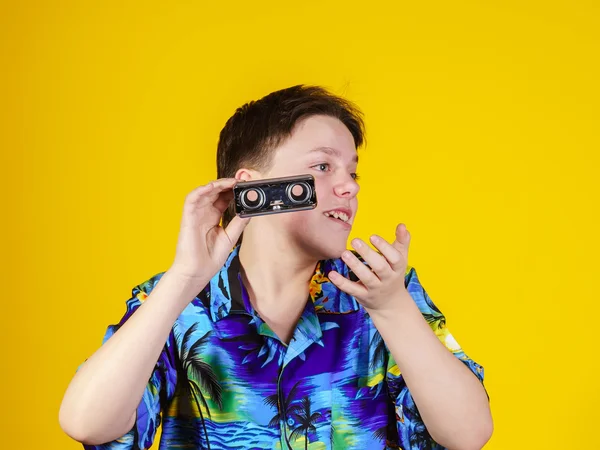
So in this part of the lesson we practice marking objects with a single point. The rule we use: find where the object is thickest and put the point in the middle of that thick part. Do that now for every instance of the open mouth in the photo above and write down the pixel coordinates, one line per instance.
(338, 216)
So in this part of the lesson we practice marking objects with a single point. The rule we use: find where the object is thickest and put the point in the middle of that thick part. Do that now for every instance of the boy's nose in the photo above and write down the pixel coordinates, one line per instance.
(347, 189)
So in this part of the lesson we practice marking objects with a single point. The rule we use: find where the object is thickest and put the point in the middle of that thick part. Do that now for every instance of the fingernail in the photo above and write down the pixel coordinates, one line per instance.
(356, 243)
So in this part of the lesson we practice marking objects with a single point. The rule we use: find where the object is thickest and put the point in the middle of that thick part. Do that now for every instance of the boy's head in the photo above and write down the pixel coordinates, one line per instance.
(298, 130)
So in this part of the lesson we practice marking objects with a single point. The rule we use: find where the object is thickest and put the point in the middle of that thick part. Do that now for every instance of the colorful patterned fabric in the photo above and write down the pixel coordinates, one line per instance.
(225, 381)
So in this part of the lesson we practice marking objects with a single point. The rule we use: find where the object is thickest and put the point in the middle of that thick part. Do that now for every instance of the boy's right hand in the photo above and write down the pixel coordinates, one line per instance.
(203, 245)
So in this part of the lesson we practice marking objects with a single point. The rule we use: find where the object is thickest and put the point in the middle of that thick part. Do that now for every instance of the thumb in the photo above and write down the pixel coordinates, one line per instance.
(235, 228)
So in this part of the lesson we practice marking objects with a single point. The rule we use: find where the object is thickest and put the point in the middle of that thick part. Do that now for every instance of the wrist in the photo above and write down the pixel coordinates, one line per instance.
(187, 278)
(185, 287)
(398, 305)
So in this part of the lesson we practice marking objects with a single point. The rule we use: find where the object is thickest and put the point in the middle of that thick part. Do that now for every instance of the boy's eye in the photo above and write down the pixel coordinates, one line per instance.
(323, 167)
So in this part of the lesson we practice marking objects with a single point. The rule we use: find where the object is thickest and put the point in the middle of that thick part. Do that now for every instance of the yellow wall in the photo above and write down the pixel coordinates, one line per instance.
(483, 125)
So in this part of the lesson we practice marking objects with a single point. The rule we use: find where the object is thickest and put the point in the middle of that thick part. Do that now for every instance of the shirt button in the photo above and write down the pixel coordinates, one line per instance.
(290, 421)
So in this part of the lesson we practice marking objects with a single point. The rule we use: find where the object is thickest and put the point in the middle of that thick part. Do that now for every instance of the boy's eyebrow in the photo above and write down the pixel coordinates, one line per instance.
(333, 152)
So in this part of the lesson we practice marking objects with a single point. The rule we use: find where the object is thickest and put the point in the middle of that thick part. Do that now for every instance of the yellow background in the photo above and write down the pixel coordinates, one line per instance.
(483, 122)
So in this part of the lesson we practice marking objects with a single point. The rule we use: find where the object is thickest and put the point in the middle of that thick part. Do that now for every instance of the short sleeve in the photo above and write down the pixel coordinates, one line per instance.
(412, 433)
(159, 390)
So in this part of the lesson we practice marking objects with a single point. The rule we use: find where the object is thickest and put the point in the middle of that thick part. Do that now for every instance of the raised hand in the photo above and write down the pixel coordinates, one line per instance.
(203, 245)
(383, 282)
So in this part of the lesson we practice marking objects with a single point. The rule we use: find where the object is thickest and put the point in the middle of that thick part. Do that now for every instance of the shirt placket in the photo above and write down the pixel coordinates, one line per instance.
(307, 333)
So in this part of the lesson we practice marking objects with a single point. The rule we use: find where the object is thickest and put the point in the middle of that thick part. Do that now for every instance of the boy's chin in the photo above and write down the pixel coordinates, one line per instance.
(330, 250)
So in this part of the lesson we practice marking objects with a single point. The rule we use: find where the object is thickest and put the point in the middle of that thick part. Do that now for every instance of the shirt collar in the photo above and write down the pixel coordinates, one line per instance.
(227, 294)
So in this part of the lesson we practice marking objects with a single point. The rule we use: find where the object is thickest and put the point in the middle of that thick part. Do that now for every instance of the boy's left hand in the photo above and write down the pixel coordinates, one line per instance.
(382, 284)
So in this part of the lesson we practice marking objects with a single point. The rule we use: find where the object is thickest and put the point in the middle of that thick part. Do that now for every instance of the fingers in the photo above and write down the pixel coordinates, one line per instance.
(223, 201)
(350, 287)
(363, 272)
(402, 241)
(394, 258)
(377, 261)
(207, 194)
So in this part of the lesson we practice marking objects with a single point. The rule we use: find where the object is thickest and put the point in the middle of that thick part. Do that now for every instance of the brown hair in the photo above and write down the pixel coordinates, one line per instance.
(251, 135)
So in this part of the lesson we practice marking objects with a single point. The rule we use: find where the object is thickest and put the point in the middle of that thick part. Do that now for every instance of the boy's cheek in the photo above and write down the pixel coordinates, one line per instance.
(322, 188)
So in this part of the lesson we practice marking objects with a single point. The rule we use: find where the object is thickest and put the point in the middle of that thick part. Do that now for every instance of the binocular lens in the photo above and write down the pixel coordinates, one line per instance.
(298, 192)
(253, 198)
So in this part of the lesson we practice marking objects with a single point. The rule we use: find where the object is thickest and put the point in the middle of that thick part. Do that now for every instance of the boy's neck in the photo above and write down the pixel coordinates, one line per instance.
(275, 270)
(277, 280)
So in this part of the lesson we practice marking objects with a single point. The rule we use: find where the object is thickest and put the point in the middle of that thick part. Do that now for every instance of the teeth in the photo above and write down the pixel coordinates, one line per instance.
(338, 215)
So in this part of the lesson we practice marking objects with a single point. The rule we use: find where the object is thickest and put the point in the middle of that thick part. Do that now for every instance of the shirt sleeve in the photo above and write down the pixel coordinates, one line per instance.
(159, 390)
(412, 432)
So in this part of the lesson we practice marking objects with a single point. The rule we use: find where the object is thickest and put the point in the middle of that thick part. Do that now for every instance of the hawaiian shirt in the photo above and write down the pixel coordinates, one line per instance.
(224, 380)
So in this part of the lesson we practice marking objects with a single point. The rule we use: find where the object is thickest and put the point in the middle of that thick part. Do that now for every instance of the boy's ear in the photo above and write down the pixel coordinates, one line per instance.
(245, 174)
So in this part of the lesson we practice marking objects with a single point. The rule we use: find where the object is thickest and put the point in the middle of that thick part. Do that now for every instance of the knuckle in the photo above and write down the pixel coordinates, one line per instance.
(380, 266)
(396, 260)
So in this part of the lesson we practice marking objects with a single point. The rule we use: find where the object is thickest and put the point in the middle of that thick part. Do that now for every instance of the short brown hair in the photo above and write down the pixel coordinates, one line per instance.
(250, 136)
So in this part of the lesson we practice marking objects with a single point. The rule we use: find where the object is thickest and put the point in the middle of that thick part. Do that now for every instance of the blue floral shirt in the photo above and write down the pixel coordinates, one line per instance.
(225, 381)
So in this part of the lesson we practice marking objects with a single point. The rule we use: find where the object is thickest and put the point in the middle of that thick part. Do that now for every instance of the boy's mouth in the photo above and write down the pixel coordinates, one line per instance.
(340, 214)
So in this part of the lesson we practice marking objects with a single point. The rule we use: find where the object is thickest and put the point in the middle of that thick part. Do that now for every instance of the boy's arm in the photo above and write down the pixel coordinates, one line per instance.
(101, 401)
(451, 400)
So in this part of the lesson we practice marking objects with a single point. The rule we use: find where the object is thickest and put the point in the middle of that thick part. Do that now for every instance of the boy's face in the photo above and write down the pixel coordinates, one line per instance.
(323, 147)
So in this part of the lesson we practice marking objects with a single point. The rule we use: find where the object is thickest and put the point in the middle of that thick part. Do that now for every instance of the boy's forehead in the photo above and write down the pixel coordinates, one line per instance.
(333, 151)
(321, 134)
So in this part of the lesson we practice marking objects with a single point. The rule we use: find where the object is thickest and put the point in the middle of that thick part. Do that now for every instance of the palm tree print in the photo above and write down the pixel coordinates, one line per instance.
(378, 355)
(378, 352)
(256, 347)
(387, 433)
(306, 421)
(199, 376)
(284, 410)
(420, 437)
